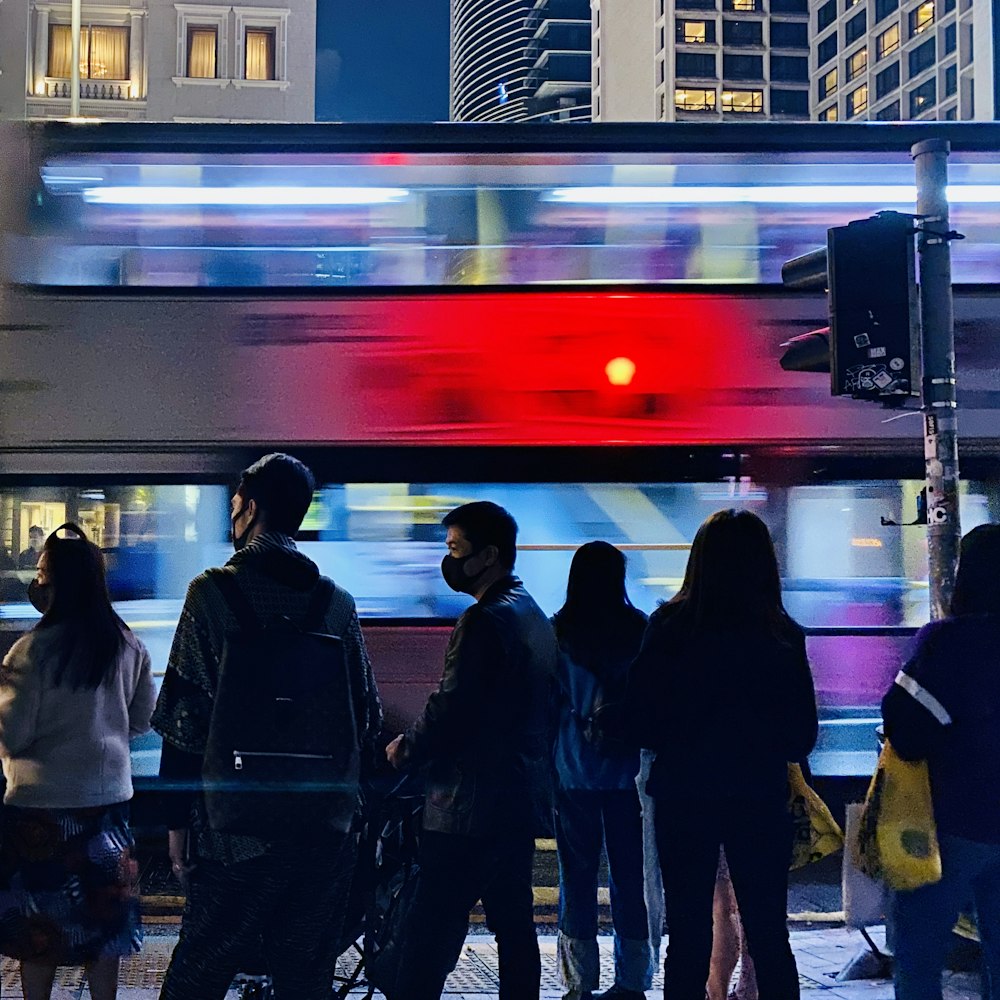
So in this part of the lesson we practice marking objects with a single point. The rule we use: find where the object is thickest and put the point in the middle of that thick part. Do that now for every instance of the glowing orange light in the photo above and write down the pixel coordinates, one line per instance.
(620, 371)
(866, 543)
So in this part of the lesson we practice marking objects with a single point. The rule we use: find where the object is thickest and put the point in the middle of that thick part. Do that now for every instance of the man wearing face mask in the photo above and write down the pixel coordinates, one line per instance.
(245, 892)
(483, 742)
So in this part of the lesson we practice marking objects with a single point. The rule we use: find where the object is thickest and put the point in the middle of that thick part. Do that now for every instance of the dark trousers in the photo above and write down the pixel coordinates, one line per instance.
(282, 913)
(758, 842)
(455, 873)
(584, 821)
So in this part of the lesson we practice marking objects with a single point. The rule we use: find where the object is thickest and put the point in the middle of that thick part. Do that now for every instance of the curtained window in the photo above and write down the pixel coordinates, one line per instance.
(259, 54)
(103, 52)
(201, 52)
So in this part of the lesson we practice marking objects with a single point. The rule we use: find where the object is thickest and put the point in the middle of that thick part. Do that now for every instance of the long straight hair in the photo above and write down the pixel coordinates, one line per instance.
(597, 610)
(732, 577)
(94, 633)
(977, 585)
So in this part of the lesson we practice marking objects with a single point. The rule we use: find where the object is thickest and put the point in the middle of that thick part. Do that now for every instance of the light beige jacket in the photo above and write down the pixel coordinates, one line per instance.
(66, 749)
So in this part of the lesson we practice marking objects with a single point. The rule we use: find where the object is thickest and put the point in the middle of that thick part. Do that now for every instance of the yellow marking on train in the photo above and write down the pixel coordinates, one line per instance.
(150, 624)
(622, 546)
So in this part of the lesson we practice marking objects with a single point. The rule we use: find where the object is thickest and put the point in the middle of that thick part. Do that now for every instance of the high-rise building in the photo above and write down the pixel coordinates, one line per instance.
(559, 54)
(160, 60)
(892, 60)
(700, 60)
(489, 60)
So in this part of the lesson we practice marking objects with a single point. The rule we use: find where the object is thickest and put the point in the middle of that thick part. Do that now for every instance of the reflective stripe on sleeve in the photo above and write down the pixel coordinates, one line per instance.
(924, 697)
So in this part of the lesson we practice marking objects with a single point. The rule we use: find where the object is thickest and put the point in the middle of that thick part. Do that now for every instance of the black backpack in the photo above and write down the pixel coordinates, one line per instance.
(282, 756)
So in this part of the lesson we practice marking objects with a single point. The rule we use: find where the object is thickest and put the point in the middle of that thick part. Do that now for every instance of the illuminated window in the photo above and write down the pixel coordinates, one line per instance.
(857, 64)
(692, 32)
(922, 18)
(202, 52)
(259, 54)
(743, 101)
(888, 41)
(857, 101)
(103, 52)
(827, 84)
(829, 114)
(742, 5)
(694, 100)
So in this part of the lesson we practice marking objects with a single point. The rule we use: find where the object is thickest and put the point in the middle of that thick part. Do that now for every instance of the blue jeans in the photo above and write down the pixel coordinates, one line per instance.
(584, 820)
(925, 917)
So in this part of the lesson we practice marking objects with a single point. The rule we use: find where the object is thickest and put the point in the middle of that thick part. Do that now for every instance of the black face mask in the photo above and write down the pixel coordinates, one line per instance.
(453, 571)
(40, 595)
(239, 541)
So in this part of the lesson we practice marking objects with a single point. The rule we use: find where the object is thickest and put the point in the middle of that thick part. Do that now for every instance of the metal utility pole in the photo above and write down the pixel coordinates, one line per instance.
(74, 72)
(938, 395)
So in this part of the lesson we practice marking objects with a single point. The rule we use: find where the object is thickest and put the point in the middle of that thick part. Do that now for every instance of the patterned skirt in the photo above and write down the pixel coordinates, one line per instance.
(69, 885)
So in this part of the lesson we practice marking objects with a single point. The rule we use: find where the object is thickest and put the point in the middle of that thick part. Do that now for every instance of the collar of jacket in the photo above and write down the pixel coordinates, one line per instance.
(496, 590)
(276, 555)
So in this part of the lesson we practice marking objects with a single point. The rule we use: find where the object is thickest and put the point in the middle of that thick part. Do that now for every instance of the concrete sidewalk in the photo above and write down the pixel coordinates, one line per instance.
(820, 952)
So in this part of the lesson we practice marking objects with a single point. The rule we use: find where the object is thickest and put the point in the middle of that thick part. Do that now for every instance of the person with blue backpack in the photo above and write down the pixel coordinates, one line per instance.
(599, 633)
(268, 707)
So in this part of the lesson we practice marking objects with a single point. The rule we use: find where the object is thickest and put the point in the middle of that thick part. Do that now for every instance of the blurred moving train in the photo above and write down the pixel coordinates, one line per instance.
(583, 327)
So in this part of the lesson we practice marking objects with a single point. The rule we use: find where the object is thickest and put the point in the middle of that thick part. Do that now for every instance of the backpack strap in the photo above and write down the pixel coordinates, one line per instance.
(319, 604)
(235, 599)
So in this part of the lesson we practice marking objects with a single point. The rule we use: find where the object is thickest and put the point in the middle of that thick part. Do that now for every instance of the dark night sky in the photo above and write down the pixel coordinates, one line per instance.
(382, 60)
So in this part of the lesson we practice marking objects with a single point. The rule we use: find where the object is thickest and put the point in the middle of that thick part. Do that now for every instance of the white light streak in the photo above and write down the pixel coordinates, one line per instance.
(858, 194)
(272, 195)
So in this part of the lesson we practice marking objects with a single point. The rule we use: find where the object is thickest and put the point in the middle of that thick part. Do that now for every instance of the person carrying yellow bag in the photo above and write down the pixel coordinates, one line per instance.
(944, 708)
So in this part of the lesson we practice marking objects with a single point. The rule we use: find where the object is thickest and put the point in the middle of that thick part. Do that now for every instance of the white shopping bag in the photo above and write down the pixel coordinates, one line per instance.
(865, 899)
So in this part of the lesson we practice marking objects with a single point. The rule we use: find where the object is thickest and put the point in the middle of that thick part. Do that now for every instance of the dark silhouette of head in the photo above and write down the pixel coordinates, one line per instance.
(596, 580)
(73, 568)
(732, 574)
(977, 585)
(485, 523)
(282, 487)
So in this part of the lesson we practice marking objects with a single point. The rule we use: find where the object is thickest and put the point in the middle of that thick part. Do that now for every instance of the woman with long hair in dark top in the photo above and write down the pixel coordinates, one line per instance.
(944, 707)
(72, 692)
(723, 693)
(597, 803)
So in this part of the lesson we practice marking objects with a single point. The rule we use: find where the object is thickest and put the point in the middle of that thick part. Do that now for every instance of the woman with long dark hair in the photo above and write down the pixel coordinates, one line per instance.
(72, 692)
(597, 803)
(722, 692)
(944, 707)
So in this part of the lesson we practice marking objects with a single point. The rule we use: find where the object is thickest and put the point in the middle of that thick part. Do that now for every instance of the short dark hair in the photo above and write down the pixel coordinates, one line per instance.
(283, 489)
(36, 529)
(486, 523)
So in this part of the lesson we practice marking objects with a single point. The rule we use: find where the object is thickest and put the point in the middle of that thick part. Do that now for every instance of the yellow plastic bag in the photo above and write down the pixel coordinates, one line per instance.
(897, 838)
(816, 831)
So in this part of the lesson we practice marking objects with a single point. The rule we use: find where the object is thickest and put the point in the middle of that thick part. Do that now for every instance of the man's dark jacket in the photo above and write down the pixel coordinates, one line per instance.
(484, 734)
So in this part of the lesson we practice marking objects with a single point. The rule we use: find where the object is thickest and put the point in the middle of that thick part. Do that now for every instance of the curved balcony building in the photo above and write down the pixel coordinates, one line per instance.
(489, 60)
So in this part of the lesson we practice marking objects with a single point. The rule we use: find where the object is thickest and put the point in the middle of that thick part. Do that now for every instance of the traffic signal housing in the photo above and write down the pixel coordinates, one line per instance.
(872, 346)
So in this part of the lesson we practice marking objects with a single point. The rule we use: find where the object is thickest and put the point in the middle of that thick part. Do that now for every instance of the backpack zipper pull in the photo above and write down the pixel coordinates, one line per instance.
(237, 761)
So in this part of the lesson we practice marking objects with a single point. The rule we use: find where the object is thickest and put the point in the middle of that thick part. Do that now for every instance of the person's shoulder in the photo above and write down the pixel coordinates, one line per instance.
(22, 652)
(134, 645)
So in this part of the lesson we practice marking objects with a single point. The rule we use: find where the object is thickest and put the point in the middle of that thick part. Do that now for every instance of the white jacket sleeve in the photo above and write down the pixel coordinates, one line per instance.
(20, 698)
(140, 709)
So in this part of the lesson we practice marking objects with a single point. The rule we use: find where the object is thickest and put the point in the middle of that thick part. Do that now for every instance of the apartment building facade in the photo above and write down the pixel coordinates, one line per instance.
(161, 61)
(700, 60)
(900, 60)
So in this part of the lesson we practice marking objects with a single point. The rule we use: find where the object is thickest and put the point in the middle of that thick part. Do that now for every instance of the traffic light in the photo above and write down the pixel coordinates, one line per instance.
(872, 345)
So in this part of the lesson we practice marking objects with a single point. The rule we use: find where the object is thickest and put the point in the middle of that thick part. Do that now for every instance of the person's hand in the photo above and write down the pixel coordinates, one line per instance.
(395, 753)
(177, 847)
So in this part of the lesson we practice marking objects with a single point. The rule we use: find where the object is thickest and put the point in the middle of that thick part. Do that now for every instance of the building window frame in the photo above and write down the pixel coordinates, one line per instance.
(755, 104)
(273, 19)
(828, 114)
(922, 17)
(708, 101)
(857, 101)
(885, 46)
(856, 64)
(923, 97)
(191, 16)
(827, 84)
